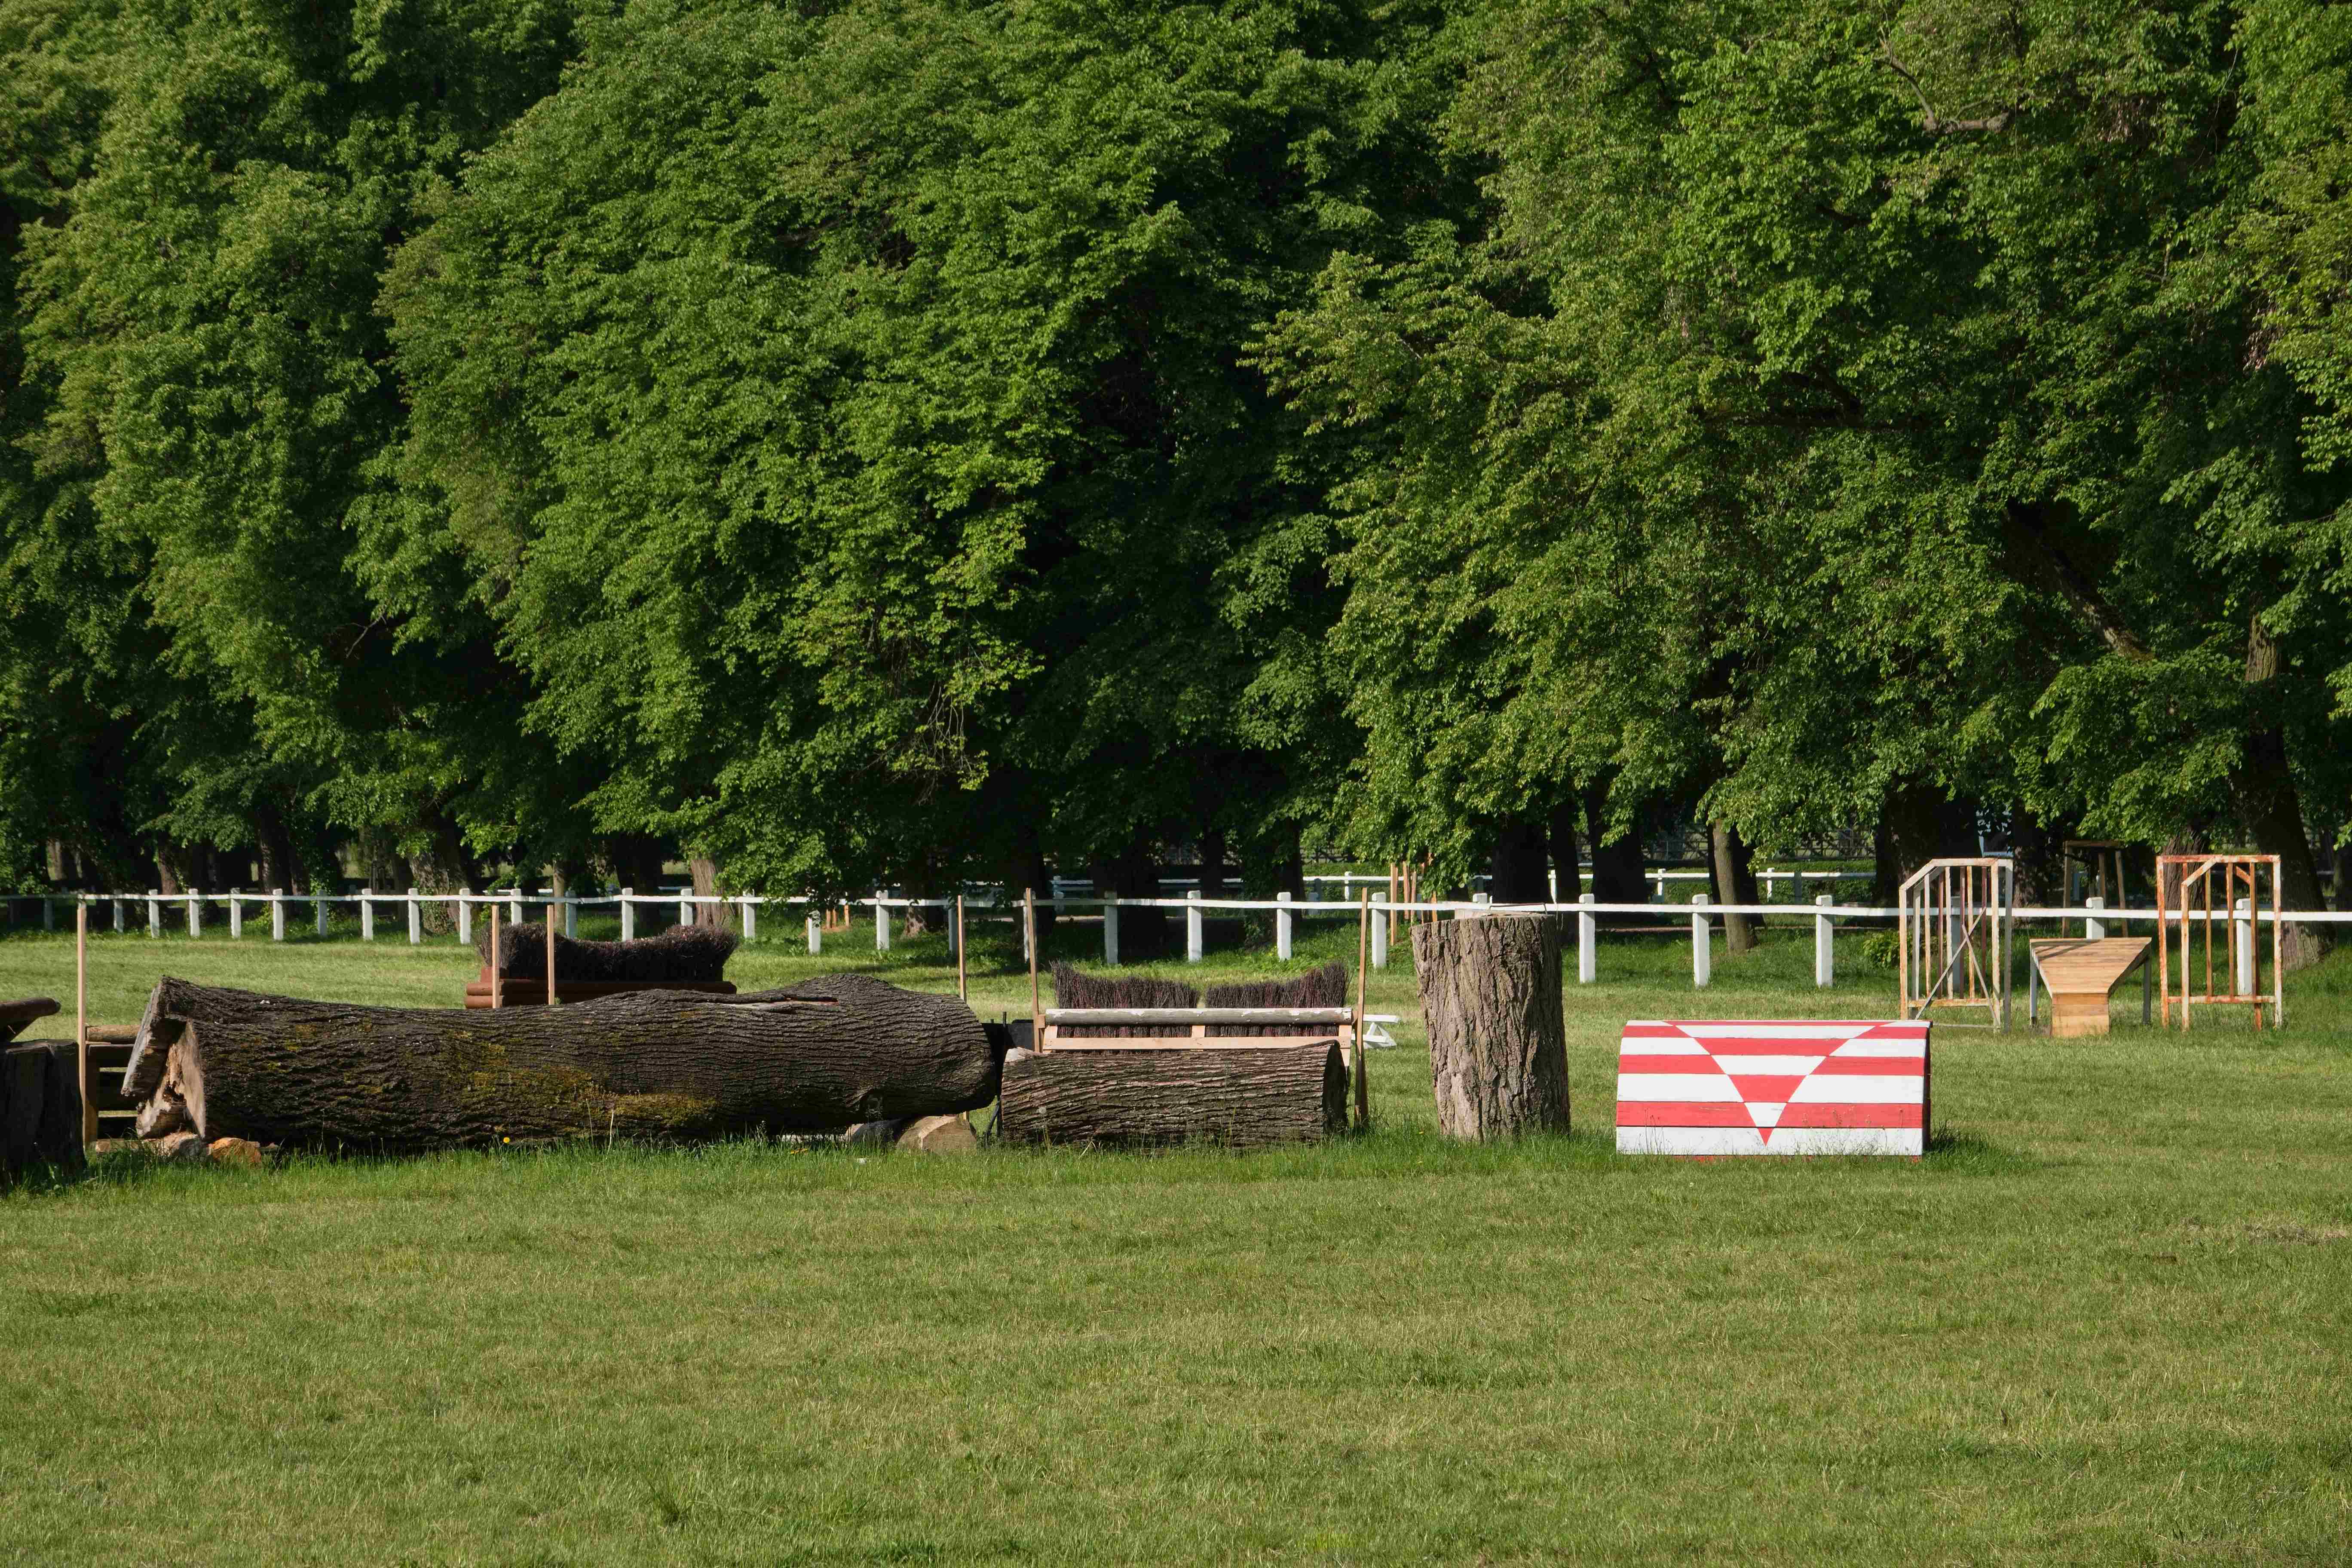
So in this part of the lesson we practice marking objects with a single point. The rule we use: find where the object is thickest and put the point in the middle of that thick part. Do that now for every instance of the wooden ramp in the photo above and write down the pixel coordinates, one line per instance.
(2080, 974)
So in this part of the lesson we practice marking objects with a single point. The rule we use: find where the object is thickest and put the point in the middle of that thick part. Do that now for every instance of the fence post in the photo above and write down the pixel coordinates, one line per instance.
(881, 922)
(1195, 938)
(629, 920)
(319, 909)
(195, 912)
(815, 932)
(571, 914)
(1824, 949)
(1701, 951)
(514, 904)
(1282, 927)
(2094, 928)
(277, 914)
(1380, 936)
(367, 914)
(2242, 948)
(686, 907)
(750, 918)
(465, 921)
(235, 916)
(1588, 943)
(154, 914)
(415, 919)
(49, 913)
(955, 926)
(117, 916)
(1661, 881)
(1110, 933)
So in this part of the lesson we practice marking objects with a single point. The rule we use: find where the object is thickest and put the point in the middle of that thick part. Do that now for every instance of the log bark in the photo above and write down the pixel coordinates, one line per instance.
(16, 1015)
(40, 1105)
(1497, 1046)
(834, 1050)
(1243, 1099)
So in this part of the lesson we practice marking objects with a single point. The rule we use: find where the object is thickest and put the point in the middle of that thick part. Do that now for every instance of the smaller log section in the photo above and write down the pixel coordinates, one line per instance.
(1243, 1095)
(1497, 1044)
(40, 1106)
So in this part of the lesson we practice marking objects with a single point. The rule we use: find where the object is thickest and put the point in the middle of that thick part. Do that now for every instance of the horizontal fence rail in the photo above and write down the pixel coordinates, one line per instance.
(1700, 915)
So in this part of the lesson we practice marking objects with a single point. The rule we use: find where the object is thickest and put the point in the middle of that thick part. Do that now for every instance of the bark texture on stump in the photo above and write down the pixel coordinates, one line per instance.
(1243, 1099)
(1498, 1048)
(40, 1105)
(832, 1051)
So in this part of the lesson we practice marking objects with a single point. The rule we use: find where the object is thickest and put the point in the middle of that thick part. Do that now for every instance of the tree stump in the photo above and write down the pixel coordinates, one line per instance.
(1497, 1049)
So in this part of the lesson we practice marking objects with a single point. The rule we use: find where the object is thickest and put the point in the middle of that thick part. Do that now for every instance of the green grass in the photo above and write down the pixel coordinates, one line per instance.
(2109, 1320)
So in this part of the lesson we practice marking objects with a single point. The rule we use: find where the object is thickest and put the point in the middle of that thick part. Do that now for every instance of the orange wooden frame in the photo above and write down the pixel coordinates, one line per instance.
(2193, 875)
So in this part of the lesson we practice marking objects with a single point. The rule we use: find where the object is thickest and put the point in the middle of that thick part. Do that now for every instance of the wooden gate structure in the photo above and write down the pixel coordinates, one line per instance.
(2199, 890)
(1953, 937)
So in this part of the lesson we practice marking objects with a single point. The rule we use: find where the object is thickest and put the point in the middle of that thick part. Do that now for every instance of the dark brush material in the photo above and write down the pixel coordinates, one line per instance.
(1324, 987)
(681, 952)
(1076, 988)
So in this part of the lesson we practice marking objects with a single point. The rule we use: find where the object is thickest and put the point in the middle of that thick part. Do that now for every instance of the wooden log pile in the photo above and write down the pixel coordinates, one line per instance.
(819, 1056)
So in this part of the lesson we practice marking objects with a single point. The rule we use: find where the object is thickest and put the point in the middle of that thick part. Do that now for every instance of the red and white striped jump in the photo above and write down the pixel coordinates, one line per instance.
(1729, 1086)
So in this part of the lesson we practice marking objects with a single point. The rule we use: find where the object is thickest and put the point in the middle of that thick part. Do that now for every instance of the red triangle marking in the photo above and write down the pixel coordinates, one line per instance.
(1772, 1088)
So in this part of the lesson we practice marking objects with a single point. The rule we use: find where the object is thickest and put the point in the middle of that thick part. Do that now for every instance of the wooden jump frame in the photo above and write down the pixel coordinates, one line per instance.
(1954, 930)
(2180, 879)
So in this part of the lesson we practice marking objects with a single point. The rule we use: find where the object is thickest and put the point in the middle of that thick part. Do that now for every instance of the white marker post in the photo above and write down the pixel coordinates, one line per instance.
(1110, 933)
(1588, 943)
(1824, 948)
(1701, 951)
(1195, 944)
(1282, 928)
(881, 922)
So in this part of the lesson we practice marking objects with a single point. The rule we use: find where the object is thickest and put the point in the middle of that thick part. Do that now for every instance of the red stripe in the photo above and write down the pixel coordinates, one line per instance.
(1807, 1115)
(1872, 1067)
(1653, 1032)
(1701, 1065)
(1682, 1113)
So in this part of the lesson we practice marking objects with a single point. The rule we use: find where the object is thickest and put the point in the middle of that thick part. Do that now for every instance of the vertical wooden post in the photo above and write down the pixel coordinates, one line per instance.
(81, 1022)
(2278, 968)
(1363, 977)
(498, 988)
(963, 991)
(1029, 932)
(551, 955)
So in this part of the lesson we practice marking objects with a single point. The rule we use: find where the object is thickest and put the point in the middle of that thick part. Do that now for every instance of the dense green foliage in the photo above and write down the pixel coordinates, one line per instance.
(915, 440)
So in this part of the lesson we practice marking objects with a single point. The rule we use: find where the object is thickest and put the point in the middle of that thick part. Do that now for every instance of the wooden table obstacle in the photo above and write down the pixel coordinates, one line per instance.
(1748, 1086)
(1953, 934)
(2081, 973)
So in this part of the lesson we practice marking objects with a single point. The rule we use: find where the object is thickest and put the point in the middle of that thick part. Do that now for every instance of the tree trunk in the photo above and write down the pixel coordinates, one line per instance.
(2266, 797)
(1516, 870)
(1240, 1098)
(1735, 883)
(1497, 1045)
(833, 1051)
(1560, 834)
(1616, 867)
(703, 871)
(2040, 851)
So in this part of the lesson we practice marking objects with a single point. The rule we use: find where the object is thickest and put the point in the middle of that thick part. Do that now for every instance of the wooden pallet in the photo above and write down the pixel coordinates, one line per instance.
(2081, 973)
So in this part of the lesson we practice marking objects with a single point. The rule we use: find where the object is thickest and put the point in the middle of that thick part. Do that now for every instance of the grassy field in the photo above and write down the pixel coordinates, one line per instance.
(2108, 1320)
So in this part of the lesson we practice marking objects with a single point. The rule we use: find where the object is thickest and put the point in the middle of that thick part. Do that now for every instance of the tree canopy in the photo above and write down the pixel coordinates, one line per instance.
(915, 441)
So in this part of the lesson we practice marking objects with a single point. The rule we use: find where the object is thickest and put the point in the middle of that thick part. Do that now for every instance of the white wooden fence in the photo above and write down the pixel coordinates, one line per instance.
(1701, 914)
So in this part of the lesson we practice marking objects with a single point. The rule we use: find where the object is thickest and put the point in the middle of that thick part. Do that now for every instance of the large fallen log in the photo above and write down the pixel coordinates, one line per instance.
(1239, 1096)
(832, 1051)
